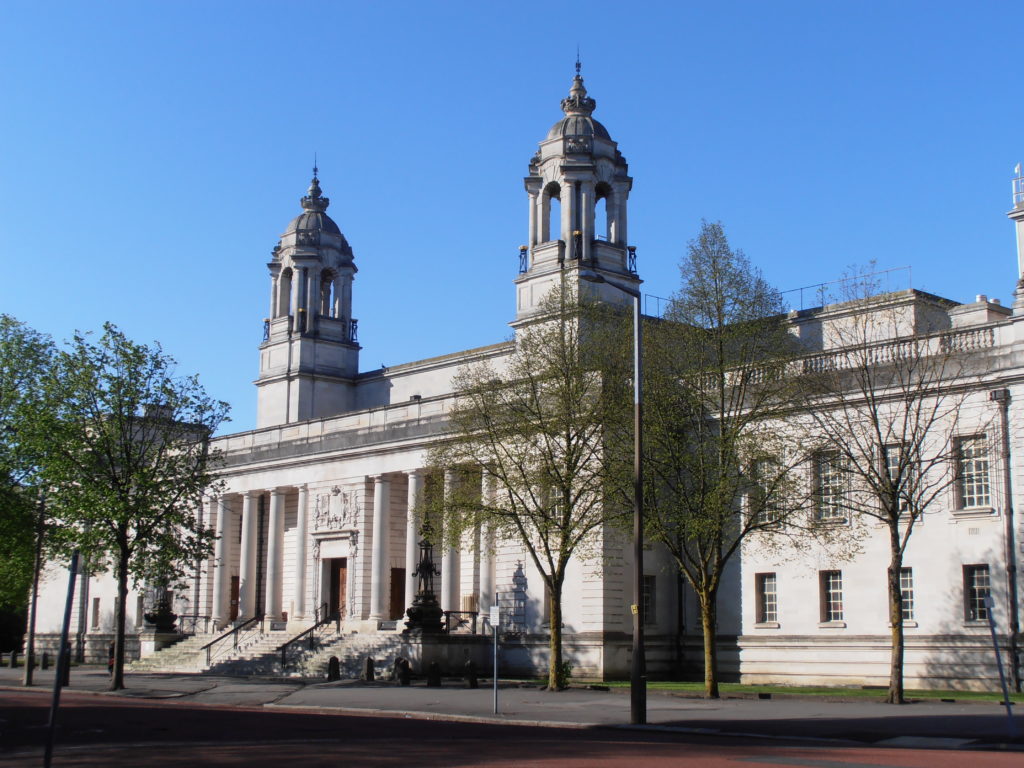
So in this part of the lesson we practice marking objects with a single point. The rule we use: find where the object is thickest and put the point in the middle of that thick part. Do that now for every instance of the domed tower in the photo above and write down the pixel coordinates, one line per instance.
(309, 355)
(578, 188)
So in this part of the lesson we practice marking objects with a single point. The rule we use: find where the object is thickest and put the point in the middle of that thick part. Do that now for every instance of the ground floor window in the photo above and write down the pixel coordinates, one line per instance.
(976, 589)
(831, 595)
(907, 593)
(766, 598)
(650, 601)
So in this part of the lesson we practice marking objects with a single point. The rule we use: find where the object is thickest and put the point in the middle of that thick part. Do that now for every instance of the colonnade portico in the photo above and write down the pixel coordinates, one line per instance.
(290, 537)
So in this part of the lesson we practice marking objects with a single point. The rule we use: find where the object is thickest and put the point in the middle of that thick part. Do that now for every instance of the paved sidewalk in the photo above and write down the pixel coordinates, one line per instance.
(934, 724)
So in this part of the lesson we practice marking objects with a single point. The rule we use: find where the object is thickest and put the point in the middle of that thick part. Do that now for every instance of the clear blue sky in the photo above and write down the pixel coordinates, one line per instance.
(152, 153)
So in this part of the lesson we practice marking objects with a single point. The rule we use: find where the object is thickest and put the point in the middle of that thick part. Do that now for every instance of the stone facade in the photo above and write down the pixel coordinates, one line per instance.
(318, 516)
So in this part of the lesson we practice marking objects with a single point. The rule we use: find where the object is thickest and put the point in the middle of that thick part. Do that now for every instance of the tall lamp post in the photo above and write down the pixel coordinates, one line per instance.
(638, 668)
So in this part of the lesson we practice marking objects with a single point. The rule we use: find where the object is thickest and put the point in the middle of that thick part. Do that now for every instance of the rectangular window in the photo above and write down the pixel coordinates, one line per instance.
(831, 595)
(762, 500)
(902, 474)
(907, 592)
(650, 599)
(972, 472)
(829, 485)
(976, 589)
(95, 613)
(767, 606)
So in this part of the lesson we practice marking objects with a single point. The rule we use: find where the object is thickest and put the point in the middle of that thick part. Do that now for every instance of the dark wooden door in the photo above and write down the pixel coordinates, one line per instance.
(339, 585)
(397, 604)
(233, 608)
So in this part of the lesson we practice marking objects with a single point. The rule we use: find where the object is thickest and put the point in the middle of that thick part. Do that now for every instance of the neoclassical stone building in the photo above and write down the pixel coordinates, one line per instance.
(318, 515)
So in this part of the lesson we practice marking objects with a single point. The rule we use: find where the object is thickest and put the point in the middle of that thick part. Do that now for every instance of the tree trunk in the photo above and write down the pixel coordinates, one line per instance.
(895, 694)
(117, 678)
(37, 565)
(708, 621)
(556, 676)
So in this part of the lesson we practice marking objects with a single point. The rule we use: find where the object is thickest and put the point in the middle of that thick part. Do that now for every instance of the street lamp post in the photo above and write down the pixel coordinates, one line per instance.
(638, 668)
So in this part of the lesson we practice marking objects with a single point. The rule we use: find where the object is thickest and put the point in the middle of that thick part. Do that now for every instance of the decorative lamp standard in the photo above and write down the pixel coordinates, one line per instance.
(638, 668)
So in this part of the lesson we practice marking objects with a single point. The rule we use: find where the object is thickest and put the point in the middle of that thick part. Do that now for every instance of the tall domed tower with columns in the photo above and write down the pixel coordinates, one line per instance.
(309, 355)
(578, 189)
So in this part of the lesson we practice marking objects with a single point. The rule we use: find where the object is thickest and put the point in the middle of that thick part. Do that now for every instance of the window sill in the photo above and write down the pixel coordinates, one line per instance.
(908, 624)
(967, 513)
(766, 625)
(976, 624)
(832, 521)
(831, 625)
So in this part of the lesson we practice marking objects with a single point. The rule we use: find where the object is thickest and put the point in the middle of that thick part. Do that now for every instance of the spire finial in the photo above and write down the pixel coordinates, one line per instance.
(314, 199)
(578, 102)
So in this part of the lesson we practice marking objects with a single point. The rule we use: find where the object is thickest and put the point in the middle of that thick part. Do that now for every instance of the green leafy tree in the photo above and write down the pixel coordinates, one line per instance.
(532, 424)
(128, 461)
(718, 469)
(24, 358)
(26, 537)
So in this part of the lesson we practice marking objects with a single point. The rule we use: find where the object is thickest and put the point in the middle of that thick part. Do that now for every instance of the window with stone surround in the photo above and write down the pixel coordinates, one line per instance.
(907, 593)
(831, 587)
(830, 486)
(976, 589)
(972, 466)
(766, 597)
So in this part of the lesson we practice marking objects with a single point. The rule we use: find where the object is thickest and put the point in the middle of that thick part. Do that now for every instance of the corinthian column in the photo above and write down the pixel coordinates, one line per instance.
(412, 530)
(275, 555)
(450, 587)
(379, 560)
(247, 560)
(300, 555)
(221, 561)
(487, 550)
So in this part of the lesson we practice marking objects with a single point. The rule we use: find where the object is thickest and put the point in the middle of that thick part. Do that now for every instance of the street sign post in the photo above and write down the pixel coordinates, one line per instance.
(495, 623)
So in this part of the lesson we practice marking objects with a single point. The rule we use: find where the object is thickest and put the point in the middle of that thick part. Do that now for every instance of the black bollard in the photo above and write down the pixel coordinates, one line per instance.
(367, 674)
(46, 660)
(434, 675)
(14, 659)
(333, 669)
(403, 671)
(471, 678)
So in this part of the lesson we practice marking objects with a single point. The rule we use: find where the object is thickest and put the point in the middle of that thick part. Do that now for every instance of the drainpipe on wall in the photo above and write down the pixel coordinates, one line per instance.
(1002, 396)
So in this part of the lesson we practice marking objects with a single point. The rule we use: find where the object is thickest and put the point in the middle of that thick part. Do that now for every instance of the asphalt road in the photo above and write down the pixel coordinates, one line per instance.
(173, 720)
(114, 731)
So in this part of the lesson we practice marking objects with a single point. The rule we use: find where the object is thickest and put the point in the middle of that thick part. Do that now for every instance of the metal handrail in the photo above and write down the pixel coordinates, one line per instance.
(460, 621)
(234, 633)
(321, 619)
(192, 620)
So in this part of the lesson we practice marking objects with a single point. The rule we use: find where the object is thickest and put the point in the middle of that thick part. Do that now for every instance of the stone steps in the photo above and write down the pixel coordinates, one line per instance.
(351, 650)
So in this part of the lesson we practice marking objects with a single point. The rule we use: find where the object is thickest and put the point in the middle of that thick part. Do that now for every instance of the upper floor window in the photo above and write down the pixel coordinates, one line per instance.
(830, 481)
(762, 500)
(972, 482)
(902, 473)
